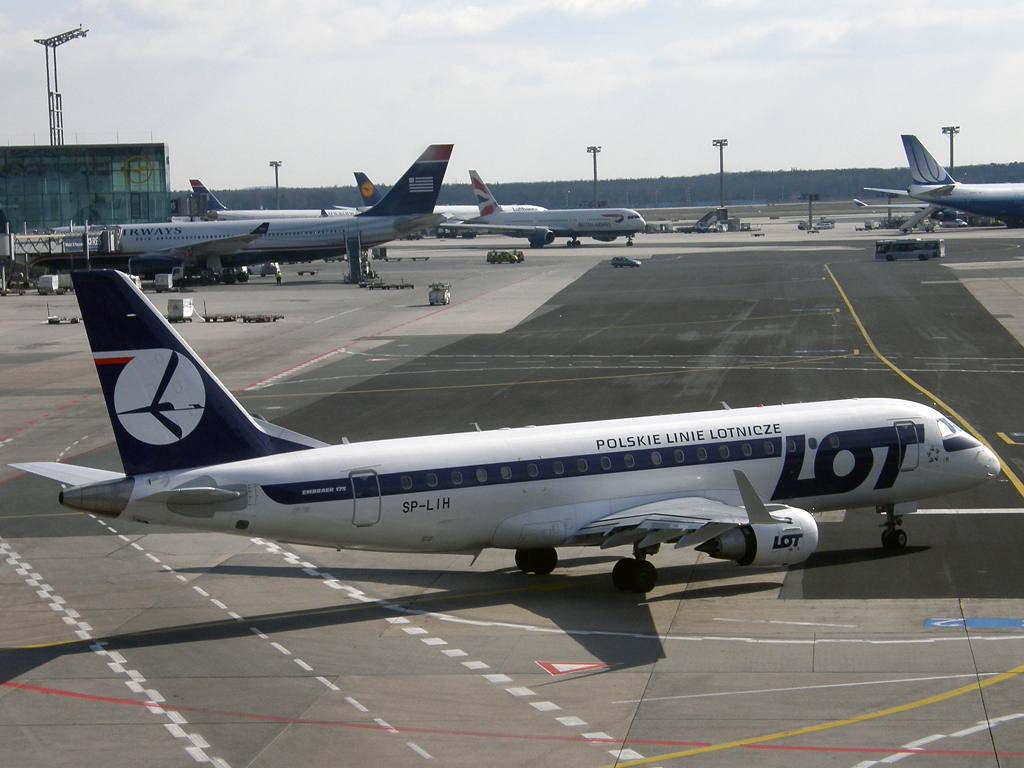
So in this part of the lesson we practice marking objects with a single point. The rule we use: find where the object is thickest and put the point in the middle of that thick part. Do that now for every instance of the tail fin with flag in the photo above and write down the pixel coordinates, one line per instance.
(415, 194)
(924, 168)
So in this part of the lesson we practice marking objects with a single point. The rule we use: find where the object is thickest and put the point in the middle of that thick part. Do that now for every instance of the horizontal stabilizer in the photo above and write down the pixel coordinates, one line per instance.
(69, 474)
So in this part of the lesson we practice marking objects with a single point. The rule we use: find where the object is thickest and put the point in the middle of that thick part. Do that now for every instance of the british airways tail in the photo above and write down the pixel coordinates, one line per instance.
(484, 199)
(367, 191)
(924, 169)
(167, 409)
(415, 194)
(213, 204)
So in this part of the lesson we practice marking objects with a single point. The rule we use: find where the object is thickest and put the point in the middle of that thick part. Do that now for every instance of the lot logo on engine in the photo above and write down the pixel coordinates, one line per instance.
(787, 541)
(159, 397)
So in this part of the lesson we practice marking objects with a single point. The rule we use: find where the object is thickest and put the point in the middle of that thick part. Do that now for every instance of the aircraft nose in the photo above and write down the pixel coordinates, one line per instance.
(987, 462)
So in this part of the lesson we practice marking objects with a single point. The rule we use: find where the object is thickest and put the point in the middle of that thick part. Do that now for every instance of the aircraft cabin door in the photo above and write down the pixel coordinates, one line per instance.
(365, 498)
(906, 432)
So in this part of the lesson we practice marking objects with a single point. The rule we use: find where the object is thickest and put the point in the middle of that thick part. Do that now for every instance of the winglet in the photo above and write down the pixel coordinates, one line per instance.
(924, 168)
(757, 513)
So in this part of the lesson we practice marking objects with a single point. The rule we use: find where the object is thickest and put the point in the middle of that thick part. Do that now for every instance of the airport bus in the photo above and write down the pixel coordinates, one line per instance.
(890, 250)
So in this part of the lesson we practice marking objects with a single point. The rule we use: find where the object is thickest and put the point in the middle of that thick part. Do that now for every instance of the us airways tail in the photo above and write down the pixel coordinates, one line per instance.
(415, 194)
(367, 191)
(167, 409)
(924, 168)
(213, 204)
(484, 199)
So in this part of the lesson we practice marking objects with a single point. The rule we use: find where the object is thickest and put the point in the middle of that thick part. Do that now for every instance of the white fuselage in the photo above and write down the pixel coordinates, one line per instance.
(302, 239)
(511, 488)
(616, 222)
(999, 201)
(261, 215)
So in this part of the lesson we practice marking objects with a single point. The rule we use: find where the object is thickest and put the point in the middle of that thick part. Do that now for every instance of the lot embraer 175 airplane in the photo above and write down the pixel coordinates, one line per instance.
(736, 484)
(217, 211)
(933, 185)
(543, 226)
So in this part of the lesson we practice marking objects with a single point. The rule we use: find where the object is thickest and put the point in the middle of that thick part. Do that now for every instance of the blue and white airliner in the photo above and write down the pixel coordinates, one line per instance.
(736, 484)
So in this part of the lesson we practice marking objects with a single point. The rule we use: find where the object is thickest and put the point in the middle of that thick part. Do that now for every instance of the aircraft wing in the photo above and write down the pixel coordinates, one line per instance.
(219, 247)
(505, 229)
(687, 520)
(69, 474)
(862, 204)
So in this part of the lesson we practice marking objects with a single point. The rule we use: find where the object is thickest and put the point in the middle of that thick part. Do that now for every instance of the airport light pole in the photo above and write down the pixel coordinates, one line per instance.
(53, 94)
(594, 151)
(951, 131)
(276, 165)
(721, 144)
(810, 198)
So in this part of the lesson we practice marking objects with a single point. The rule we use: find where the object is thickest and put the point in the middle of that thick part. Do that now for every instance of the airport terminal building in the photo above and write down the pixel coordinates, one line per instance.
(42, 187)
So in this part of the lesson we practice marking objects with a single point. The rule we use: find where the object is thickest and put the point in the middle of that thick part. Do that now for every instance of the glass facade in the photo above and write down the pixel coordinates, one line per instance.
(44, 187)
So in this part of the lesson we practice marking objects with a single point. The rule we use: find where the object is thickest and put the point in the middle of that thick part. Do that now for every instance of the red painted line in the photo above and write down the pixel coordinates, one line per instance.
(113, 360)
(476, 734)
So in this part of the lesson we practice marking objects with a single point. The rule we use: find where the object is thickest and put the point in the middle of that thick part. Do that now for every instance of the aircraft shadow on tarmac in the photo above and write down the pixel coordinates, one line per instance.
(836, 557)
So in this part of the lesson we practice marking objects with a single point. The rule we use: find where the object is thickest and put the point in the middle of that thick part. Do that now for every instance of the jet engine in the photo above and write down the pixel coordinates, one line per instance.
(792, 540)
(541, 237)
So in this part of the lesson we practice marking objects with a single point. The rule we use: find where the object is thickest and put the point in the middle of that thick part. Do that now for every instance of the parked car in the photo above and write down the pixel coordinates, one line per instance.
(625, 261)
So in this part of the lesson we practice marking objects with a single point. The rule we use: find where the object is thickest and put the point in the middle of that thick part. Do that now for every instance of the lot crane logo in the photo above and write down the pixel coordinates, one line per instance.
(159, 397)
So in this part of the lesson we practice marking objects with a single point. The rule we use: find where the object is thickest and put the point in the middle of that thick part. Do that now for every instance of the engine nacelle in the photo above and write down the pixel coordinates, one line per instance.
(541, 237)
(605, 238)
(792, 540)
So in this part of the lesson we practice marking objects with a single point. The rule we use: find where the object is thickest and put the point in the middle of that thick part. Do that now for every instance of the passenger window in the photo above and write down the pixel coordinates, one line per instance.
(581, 465)
(812, 443)
(481, 475)
(431, 479)
(606, 463)
(506, 473)
(723, 451)
(745, 449)
(769, 449)
(559, 469)
(702, 455)
(456, 477)
(791, 446)
(628, 460)
(655, 458)
(834, 441)
(531, 470)
(680, 458)
(406, 482)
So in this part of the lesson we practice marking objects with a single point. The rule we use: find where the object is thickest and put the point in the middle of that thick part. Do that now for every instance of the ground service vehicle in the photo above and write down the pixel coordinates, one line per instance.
(505, 257)
(440, 293)
(890, 250)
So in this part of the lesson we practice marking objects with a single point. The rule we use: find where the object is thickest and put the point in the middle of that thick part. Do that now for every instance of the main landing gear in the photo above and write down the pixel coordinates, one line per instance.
(574, 243)
(539, 561)
(893, 537)
(629, 240)
(635, 574)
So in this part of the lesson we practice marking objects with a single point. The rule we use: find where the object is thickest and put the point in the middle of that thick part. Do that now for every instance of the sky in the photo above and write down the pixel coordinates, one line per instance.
(521, 87)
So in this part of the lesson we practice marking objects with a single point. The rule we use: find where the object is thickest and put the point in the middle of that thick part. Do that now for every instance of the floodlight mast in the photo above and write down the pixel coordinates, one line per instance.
(951, 131)
(594, 150)
(721, 144)
(53, 93)
(276, 165)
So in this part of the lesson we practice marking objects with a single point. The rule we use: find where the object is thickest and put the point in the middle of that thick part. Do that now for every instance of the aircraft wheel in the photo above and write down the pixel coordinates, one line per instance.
(622, 574)
(899, 539)
(544, 560)
(524, 559)
(645, 576)
(887, 539)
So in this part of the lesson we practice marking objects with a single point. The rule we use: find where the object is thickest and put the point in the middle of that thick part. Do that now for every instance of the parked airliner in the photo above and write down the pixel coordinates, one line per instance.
(223, 246)
(542, 227)
(933, 185)
(736, 484)
(217, 211)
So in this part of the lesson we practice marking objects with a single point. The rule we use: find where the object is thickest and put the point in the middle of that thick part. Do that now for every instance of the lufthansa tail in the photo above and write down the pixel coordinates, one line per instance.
(367, 191)
(415, 194)
(924, 168)
(167, 409)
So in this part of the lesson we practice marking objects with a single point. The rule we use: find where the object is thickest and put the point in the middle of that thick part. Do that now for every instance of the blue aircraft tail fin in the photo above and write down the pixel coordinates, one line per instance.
(924, 168)
(416, 192)
(213, 204)
(167, 409)
(367, 191)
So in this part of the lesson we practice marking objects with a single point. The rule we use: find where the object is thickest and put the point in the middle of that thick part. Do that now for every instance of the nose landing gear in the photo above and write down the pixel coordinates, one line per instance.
(893, 537)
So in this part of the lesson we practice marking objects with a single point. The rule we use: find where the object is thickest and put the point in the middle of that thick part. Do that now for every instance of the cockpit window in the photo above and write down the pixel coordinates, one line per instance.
(947, 428)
